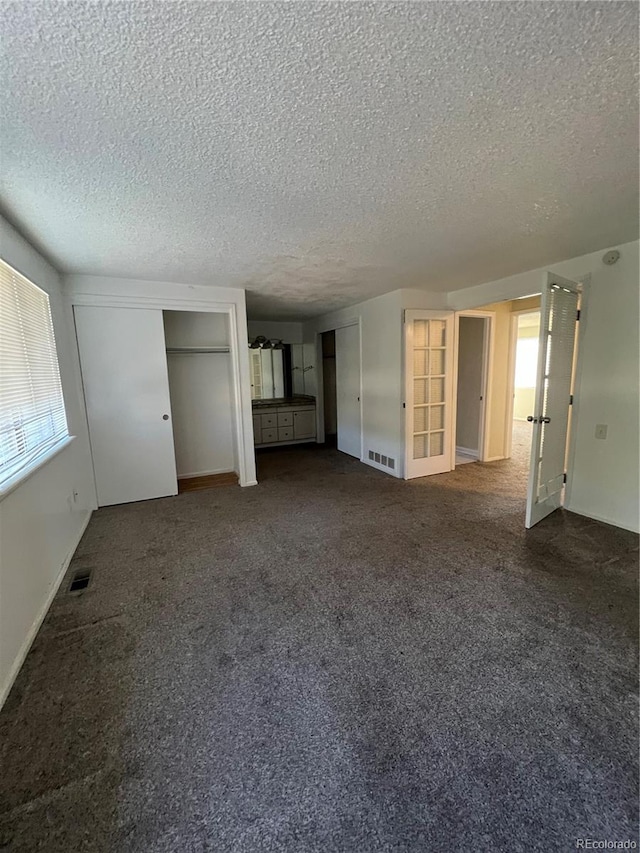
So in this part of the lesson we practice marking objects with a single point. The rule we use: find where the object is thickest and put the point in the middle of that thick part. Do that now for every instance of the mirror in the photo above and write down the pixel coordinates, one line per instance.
(270, 370)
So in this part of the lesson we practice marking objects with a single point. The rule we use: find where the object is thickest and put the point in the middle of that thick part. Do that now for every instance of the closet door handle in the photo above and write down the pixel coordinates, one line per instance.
(165, 417)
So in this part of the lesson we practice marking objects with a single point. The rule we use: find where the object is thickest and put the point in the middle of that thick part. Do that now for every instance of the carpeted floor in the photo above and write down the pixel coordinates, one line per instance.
(334, 660)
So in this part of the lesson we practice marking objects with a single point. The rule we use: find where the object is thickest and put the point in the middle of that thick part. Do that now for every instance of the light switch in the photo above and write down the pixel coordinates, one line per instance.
(601, 430)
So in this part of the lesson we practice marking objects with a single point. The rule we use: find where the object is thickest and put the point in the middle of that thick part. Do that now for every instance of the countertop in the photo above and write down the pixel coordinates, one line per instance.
(298, 400)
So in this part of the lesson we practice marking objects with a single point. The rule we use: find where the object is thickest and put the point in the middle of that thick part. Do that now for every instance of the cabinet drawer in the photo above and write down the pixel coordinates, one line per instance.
(285, 419)
(269, 435)
(269, 421)
(285, 433)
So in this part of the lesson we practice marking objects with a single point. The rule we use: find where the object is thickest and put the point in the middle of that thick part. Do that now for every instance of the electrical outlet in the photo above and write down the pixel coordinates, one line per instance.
(601, 431)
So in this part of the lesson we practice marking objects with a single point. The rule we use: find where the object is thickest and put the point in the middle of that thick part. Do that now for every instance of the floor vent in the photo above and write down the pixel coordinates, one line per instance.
(381, 459)
(80, 580)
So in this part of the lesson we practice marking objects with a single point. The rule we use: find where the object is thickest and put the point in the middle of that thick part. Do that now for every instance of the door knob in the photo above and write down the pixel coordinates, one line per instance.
(545, 420)
(165, 417)
(532, 420)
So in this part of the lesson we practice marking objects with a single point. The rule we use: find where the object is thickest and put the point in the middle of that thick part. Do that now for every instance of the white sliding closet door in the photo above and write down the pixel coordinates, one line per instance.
(348, 390)
(429, 392)
(126, 390)
(558, 318)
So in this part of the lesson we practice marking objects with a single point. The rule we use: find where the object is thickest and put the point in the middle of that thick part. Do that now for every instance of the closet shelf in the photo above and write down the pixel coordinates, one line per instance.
(187, 350)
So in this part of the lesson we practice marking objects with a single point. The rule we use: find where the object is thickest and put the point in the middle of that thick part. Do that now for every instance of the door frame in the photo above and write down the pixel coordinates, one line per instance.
(240, 371)
(486, 382)
(576, 379)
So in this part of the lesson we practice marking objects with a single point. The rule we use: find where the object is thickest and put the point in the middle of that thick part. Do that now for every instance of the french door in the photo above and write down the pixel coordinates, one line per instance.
(550, 418)
(429, 392)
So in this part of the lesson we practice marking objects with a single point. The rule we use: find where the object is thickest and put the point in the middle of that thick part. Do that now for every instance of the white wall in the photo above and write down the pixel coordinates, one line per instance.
(381, 325)
(288, 333)
(381, 359)
(603, 475)
(40, 522)
(200, 386)
(170, 296)
(526, 360)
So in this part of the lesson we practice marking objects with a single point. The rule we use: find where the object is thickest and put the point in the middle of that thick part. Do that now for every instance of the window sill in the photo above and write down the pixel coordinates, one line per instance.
(39, 462)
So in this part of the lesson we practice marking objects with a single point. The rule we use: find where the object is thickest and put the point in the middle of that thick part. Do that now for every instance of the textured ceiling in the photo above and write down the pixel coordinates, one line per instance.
(319, 153)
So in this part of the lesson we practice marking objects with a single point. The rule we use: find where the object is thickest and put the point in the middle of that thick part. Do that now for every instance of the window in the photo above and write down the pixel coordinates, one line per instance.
(32, 414)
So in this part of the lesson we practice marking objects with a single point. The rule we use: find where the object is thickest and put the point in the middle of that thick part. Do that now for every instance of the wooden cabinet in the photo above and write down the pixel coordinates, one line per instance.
(304, 424)
(284, 424)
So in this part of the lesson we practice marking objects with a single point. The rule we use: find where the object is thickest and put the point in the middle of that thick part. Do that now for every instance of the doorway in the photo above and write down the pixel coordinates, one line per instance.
(525, 335)
(474, 340)
(535, 362)
(328, 340)
(200, 390)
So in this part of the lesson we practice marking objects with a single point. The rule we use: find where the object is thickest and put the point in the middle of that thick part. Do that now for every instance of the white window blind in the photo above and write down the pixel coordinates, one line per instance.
(32, 414)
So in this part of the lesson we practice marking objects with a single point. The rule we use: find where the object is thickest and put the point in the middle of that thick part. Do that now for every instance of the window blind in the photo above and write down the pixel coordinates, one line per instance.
(32, 413)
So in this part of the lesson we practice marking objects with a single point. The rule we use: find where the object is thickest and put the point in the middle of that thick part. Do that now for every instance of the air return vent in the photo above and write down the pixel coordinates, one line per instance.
(381, 459)
(80, 580)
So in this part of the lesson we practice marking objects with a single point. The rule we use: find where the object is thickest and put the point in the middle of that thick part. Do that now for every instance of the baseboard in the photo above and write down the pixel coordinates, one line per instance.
(601, 518)
(494, 459)
(28, 641)
(466, 451)
(206, 473)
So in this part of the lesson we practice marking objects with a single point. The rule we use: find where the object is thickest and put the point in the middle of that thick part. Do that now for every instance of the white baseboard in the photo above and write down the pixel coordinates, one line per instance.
(249, 483)
(602, 518)
(494, 458)
(28, 640)
(466, 451)
(206, 473)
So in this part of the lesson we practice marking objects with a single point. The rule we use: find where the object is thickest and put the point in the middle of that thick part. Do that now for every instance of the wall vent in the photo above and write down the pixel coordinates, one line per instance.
(80, 580)
(381, 459)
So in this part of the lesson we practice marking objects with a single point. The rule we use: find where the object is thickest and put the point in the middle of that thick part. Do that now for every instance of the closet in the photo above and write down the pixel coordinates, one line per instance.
(199, 367)
(158, 393)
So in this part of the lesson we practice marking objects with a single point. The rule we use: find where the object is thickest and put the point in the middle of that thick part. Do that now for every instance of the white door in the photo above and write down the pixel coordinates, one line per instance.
(429, 392)
(126, 390)
(558, 317)
(348, 390)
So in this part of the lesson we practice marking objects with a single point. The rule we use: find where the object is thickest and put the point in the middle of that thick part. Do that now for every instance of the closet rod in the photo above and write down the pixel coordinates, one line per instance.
(196, 349)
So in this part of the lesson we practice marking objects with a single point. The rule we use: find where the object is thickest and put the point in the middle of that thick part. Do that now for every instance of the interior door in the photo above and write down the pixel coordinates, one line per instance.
(558, 318)
(429, 392)
(126, 389)
(348, 390)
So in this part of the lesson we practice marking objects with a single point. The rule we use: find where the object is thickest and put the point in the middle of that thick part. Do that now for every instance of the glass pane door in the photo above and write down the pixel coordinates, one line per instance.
(429, 375)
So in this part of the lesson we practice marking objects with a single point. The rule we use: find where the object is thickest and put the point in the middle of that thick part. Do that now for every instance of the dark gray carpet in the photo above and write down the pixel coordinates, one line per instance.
(333, 660)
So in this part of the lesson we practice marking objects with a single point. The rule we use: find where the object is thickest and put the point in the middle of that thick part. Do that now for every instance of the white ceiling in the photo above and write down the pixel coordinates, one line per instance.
(319, 153)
